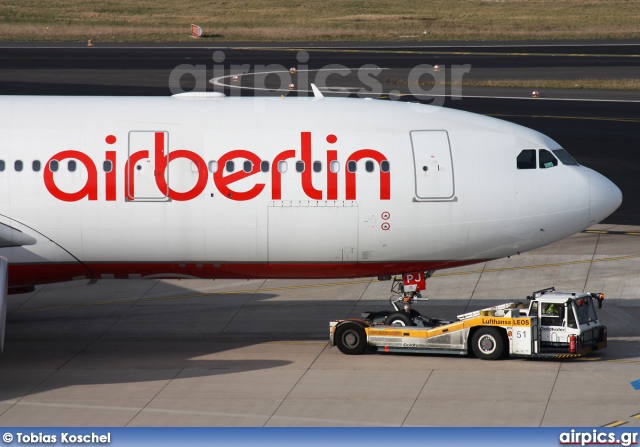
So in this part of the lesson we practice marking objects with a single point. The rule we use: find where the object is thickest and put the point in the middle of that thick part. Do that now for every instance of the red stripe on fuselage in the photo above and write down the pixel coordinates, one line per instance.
(34, 274)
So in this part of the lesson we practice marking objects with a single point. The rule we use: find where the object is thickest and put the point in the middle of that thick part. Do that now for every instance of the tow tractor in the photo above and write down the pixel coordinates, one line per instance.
(551, 325)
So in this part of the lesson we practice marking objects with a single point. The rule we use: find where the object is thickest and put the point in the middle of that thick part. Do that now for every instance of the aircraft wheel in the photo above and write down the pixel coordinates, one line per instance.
(351, 339)
(487, 344)
(399, 319)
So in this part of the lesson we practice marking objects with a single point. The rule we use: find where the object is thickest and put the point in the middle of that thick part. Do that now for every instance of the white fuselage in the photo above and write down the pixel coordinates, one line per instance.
(318, 188)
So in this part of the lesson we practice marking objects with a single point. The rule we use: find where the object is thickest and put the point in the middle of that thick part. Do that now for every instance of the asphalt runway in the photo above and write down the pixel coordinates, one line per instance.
(254, 353)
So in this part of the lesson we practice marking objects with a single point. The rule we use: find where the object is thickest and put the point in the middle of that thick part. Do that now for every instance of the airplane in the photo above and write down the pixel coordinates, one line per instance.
(207, 186)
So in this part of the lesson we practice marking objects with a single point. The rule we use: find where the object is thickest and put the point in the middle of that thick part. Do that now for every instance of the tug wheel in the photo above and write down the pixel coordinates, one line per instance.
(487, 344)
(351, 339)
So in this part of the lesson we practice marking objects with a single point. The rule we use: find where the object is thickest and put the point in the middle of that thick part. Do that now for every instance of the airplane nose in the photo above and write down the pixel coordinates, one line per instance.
(604, 197)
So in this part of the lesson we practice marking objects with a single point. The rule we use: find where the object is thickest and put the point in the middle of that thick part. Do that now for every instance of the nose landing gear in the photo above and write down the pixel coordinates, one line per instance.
(407, 291)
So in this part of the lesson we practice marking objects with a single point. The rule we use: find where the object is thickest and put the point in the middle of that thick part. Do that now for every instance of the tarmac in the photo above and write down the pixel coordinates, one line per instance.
(256, 353)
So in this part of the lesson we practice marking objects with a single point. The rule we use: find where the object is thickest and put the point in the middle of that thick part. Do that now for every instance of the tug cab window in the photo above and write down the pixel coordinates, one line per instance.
(546, 159)
(585, 311)
(527, 159)
(552, 314)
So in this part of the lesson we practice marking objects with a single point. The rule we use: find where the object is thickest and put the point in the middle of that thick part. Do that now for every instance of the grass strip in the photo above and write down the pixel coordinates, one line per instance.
(331, 20)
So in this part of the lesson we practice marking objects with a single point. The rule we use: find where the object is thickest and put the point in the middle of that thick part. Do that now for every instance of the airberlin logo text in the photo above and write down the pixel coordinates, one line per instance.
(223, 179)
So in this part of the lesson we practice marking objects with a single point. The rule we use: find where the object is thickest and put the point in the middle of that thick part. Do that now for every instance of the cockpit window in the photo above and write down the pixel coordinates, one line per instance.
(565, 157)
(547, 160)
(527, 159)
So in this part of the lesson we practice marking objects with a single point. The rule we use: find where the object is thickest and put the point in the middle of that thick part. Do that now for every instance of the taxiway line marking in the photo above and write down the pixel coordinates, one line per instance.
(615, 424)
(586, 118)
(440, 53)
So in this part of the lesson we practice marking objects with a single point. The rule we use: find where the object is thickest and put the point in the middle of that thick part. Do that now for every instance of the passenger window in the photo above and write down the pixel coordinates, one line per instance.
(18, 165)
(282, 167)
(2, 166)
(317, 166)
(351, 166)
(527, 159)
(230, 166)
(36, 165)
(264, 166)
(546, 159)
(334, 167)
(248, 166)
(213, 166)
(384, 166)
(107, 166)
(53, 165)
(368, 166)
(299, 166)
(71, 166)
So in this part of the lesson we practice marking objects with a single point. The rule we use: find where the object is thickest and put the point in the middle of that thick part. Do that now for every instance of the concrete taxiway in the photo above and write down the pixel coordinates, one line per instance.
(255, 353)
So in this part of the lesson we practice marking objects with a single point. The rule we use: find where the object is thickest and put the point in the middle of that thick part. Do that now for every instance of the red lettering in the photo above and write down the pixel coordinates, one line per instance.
(222, 182)
(307, 182)
(276, 180)
(332, 177)
(110, 177)
(385, 178)
(90, 188)
(161, 167)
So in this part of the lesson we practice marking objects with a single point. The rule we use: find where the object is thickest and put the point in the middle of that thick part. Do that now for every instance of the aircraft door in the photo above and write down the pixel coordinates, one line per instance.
(147, 160)
(433, 164)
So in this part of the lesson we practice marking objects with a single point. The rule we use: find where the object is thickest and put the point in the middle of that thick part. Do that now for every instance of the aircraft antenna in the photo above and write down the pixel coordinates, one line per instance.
(316, 91)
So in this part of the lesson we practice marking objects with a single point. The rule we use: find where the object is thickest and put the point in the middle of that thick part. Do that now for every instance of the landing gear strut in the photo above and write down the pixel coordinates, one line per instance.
(407, 291)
